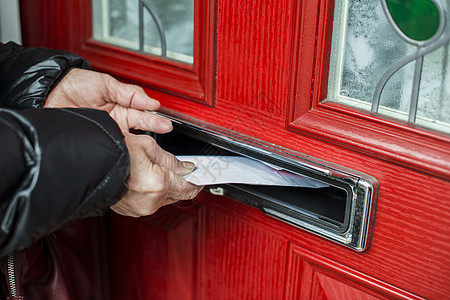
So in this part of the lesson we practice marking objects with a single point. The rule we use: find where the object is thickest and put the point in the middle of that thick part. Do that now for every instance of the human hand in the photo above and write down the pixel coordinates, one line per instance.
(127, 104)
(155, 178)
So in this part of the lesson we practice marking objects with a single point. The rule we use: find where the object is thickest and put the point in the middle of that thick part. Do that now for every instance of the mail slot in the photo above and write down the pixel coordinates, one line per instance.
(341, 209)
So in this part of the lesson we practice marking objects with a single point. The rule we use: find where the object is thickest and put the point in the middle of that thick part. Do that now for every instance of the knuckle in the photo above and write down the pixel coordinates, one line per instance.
(159, 180)
(149, 141)
(138, 89)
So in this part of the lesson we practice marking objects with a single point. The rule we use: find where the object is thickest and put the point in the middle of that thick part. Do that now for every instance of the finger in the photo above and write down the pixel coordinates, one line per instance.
(170, 162)
(131, 96)
(148, 121)
(165, 159)
(180, 189)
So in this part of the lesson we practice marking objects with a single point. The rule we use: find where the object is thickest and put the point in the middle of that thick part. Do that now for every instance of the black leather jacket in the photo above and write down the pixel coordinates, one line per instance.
(56, 165)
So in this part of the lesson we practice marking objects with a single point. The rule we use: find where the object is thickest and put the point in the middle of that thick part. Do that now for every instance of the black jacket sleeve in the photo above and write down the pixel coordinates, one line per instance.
(27, 75)
(56, 165)
(60, 165)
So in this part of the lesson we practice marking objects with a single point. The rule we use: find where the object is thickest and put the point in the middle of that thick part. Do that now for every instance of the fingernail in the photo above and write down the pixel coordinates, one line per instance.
(188, 165)
(167, 126)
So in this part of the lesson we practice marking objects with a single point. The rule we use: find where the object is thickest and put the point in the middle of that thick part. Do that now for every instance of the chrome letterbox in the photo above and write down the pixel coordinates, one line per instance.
(343, 211)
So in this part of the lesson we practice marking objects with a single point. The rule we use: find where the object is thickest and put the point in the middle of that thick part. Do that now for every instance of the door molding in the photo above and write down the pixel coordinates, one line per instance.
(308, 114)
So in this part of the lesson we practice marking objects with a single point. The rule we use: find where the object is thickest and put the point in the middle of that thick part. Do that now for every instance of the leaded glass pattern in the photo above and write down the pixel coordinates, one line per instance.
(158, 27)
(366, 44)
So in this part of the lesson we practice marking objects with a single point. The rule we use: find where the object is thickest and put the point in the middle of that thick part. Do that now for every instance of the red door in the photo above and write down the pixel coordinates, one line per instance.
(260, 73)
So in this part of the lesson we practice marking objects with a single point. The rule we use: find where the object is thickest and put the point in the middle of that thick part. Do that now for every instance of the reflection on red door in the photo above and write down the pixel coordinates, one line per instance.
(268, 72)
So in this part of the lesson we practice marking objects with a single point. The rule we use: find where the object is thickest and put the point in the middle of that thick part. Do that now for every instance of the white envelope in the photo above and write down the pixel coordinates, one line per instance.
(237, 169)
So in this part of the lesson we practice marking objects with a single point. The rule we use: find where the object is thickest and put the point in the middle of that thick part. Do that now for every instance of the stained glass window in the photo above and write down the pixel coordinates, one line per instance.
(392, 57)
(158, 27)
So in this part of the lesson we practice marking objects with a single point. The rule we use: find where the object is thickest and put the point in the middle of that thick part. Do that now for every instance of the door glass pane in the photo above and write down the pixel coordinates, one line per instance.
(376, 62)
(159, 27)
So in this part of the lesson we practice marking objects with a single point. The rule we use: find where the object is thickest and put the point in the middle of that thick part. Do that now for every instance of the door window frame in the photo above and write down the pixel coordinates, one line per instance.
(195, 82)
(310, 114)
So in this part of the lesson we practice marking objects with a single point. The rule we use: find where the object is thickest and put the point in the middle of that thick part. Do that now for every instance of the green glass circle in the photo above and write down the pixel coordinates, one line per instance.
(417, 19)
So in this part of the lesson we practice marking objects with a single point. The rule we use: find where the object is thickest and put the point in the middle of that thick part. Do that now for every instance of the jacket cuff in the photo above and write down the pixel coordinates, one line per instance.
(27, 75)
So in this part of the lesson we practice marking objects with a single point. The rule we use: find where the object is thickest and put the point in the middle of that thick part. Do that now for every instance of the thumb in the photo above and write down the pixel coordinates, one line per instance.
(165, 159)
(169, 161)
(188, 166)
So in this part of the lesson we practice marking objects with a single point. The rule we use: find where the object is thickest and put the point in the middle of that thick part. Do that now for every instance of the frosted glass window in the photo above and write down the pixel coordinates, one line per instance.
(366, 44)
(158, 27)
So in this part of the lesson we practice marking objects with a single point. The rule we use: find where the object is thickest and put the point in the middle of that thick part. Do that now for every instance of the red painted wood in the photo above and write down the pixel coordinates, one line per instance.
(157, 256)
(44, 27)
(410, 248)
(271, 68)
(320, 278)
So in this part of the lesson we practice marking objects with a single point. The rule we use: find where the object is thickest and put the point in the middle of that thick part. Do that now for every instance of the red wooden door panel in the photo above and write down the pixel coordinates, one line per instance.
(266, 69)
(311, 276)
(147, 253)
